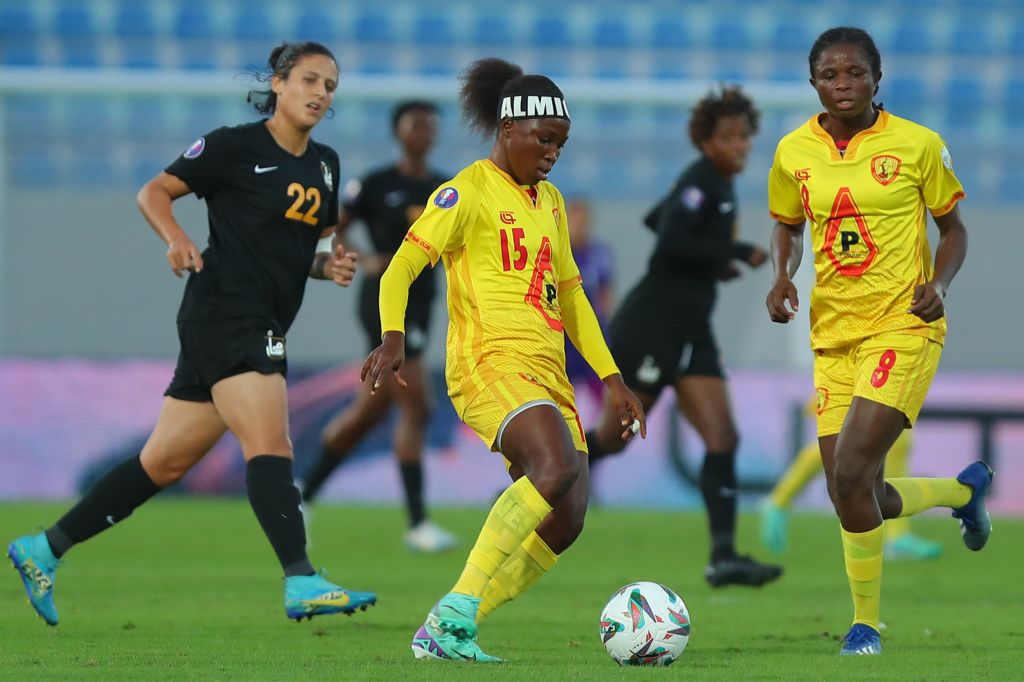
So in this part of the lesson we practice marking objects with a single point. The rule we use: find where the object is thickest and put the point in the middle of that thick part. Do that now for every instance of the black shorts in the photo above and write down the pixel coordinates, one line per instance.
(650, 359)
(212, 350)
(417, 317)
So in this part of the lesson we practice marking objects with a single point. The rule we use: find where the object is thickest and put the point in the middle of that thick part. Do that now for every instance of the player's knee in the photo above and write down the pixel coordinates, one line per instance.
(417, 414)
(556, 474)
(848, 483)
(724, 440)
(166, 473)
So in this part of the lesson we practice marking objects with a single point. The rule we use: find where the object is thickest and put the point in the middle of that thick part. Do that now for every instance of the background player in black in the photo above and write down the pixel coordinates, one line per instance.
(387, 201)
(661, 333)
(271, 192)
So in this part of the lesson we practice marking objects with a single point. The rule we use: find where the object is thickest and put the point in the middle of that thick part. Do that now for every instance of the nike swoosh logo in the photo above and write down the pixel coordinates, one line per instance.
(110, 520)
(263, 169)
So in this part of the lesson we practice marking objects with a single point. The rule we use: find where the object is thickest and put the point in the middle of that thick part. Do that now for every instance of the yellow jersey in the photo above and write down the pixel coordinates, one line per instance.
(866, 209)
(506, 258)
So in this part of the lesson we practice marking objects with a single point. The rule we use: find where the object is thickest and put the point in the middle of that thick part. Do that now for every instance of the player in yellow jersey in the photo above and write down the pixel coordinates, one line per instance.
(864, 179)
(513, 292)
(900, 543)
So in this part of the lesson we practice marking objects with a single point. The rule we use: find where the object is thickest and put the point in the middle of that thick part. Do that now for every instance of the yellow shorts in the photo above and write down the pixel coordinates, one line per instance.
(893, 369)
(492, 406)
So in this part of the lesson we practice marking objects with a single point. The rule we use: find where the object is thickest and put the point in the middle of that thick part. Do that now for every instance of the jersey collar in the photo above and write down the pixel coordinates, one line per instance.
(523, 194)
(851, 149)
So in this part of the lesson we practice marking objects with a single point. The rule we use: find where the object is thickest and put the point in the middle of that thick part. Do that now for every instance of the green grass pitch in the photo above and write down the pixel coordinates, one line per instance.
(190, 589)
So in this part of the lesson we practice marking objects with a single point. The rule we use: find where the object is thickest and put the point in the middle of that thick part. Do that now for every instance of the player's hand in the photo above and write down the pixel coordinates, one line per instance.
(184, 255)
(783, 290)
(927, 303)
(384, 360)
(758, 257)
(342, 265)
(727, 272)
(628, 408)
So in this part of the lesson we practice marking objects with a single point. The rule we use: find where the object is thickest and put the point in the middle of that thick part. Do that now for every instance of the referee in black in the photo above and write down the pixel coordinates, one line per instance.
(271, 194)
(661, 333)
(387, 201)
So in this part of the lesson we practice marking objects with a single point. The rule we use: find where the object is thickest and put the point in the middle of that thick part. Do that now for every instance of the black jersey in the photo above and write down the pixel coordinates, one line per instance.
(388, 202)
(695, 225)
(266, 211)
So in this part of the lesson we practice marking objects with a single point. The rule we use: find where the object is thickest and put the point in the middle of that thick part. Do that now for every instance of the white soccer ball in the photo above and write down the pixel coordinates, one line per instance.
(645, 623)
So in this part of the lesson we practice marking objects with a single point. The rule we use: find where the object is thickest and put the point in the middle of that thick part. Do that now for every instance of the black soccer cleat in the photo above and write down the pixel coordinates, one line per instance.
(740, 570)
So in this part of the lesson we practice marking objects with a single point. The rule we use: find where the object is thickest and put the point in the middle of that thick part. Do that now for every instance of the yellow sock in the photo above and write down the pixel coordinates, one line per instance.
(897, 465)
(919, 494)
(521, 570)
(806, 466)
(515, 514)
(863, 554)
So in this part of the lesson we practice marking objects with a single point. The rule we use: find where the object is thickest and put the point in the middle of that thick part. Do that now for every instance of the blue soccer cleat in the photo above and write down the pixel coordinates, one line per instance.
(975, 524)
(861, 640)
(910, 547)
(774, 527)
(450, 632)
(306, 596)
(34, 560)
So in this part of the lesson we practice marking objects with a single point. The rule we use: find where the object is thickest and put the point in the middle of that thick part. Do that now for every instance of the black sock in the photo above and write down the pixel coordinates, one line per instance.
(319, 473)
(111, 499)
(412, 480)
(278, 506)
(718, 486)
(595, 452)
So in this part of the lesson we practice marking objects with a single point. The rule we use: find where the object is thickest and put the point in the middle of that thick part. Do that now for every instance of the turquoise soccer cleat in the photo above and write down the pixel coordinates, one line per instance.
(861, 640)
(912, 547)
(975, 524)
(306, 596)
(449, 634)
(34, 561)
(774, 527)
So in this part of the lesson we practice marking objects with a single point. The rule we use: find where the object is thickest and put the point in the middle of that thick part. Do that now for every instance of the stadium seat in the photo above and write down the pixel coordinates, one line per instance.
(252, 24)
(491, 30)
(145, 117)
(791, 36)
(730, 34)
(138, 53)
(374, 28)
(905, 96)
(79, 53)
(669, 32)
(20, 51)
(17, 21)
(134, 20)
(964, 101)
(199, 55)
(73, 21)
(1016, 44)
(193, 21)
(1013, 104)
(971, 38)
(551, 31)
(669, 69)
(909, 38)
(433, 29)
(609, 64)
(612, 32)
(314, 23)
(35, 168)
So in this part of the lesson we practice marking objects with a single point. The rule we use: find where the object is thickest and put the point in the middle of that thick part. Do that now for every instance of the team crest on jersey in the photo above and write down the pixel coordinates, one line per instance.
(447, 197)
(822, 400)
(196, 149)
(328, 175)
(885, 168)
(556, 215)
(692, 197)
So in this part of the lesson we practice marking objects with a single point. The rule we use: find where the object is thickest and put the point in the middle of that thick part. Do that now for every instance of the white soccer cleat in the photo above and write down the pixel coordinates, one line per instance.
(429, 538)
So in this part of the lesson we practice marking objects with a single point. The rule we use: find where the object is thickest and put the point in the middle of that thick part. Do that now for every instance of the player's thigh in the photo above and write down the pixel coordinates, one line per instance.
(185, 431)
(704, 401)
(254, 407)
(834, 377)
(416, 399)
(896, 370)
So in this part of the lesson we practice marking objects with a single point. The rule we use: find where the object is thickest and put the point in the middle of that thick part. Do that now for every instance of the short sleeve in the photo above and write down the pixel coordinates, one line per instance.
(442, 226)
(205, 165)
(566, 270)
(939, 185)
(784, 202)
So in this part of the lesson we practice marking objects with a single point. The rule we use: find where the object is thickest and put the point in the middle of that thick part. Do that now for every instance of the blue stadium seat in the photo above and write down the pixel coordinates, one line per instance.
(730, 34)
(199, 55)
(971, 38)
(20, 51)
(910, 38)
(193, 21)
(491, 29)
(145, 117)
(79, 53)
(375, 62)
(1013, 104)
(1016, 45)
(374, 28)
(316, 24)
(252, 23)
(669, 32)
(551, 31)
(28, 116)
(138, 53)
(433, 29)
(612, 32)
(17, 21)
(791, 36)
(964, 102)
(134, 20)
(73, 20)
(35, 168)
(92, 165)
(669, 69)
(905, 96)
(436, 63)
(86, 117)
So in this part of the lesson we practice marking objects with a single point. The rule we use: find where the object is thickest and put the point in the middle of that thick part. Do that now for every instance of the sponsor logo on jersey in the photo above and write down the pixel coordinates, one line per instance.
(196, 149)
(328, 175)
(260, 170)
(507, 217)
(692, 197)
(885, 168)
(275, 346)
(802, 174)
(447, 197)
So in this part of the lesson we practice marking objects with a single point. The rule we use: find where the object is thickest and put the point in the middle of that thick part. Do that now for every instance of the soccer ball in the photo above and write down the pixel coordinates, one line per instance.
(645, 624)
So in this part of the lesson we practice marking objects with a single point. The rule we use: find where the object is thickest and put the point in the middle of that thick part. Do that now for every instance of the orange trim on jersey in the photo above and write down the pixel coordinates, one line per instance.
(523, 194)
(432, 253)
(851, 149)
(787, 220)
(948, 206)
(570, 284)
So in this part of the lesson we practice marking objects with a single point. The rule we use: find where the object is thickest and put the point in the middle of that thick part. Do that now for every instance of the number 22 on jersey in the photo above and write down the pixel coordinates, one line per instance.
(303, 195)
